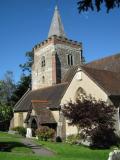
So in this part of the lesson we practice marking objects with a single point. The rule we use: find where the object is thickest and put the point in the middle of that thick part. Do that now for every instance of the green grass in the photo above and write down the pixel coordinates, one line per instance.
(62, 151)
(13, 143)
(69, 152)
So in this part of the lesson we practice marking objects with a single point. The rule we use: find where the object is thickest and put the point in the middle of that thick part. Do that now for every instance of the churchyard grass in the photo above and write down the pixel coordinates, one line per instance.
(62, 151)
(12, 143)
(73, 152)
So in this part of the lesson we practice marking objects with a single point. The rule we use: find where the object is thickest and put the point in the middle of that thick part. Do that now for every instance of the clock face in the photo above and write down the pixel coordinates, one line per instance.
(80, 93)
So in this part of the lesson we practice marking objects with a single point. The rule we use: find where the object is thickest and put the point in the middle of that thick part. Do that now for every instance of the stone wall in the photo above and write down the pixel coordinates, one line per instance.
(60, 48)
(62, 52)
(19, 119)
(38, 71)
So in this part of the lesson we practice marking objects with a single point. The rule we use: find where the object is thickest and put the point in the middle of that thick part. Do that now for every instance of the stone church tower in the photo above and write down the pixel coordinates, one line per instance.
(54, 56)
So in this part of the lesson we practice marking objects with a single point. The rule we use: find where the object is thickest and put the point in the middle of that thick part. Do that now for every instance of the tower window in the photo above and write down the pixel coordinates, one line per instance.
(70, 59)
(43, 61)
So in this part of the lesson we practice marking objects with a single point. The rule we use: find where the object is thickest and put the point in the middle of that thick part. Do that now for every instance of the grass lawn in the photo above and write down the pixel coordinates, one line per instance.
(62, 151)
(72, 152)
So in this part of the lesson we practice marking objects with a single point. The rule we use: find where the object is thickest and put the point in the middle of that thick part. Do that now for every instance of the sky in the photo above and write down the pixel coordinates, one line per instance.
(25, 23)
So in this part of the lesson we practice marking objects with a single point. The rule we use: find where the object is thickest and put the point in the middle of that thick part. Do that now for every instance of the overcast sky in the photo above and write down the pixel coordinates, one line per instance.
(24, 23)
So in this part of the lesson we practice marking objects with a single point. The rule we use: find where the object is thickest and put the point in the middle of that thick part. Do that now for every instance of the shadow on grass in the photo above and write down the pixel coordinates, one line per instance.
(8, 146)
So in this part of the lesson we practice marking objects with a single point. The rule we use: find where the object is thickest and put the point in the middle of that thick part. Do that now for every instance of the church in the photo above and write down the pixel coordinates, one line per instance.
(60, 75)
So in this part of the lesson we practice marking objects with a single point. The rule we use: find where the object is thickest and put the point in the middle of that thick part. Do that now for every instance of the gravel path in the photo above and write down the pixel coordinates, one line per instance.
(37, 149)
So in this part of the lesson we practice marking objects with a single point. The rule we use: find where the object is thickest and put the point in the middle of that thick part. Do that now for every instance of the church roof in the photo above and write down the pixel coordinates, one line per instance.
(110, 63)
(107, 80)
(51, 95)
(43, 115)
(70, 74)
(56, 27)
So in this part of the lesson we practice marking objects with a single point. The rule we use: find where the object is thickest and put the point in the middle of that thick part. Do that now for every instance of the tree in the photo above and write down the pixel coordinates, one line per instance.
(85, 5)
(94, 119)
(21, 88)
(5, 113)
(25, 81)
(26, 67)
(7, 87)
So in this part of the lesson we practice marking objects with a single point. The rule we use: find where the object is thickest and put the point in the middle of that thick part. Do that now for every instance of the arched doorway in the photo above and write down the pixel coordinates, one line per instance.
(33, 127)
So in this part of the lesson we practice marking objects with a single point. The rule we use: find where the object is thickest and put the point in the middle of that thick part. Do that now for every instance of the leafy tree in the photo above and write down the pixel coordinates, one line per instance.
(26, 67)
(5, 112)
(25, 80)
(85, 5)
(94, 119)
(21, 88)
(7, 87)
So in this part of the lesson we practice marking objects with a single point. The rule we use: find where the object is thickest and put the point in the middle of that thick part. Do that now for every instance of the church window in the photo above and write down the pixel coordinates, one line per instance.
(70, 59)
(80, 93)
(43, 61)
(43, 79)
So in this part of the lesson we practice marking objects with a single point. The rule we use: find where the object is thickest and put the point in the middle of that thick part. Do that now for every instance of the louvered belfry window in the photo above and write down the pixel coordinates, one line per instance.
(70, 59)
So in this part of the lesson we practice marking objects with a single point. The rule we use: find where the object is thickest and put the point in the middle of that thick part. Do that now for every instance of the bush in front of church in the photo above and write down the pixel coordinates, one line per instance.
(94, 119)
(73, 139)
(20, 130)
(44, 133)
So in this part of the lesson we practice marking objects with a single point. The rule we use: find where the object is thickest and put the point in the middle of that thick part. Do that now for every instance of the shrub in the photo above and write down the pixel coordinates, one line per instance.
(104, 138)
(94, 118)
(58, 139)
(20, 130)
(73, 139)
(44, 133)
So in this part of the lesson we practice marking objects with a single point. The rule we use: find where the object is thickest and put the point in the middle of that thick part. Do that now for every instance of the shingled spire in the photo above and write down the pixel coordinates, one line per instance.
(56, 27)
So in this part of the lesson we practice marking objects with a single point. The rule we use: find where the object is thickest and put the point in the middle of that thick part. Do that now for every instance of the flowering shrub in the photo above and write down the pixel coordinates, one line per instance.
(73, 139)
(44, 133)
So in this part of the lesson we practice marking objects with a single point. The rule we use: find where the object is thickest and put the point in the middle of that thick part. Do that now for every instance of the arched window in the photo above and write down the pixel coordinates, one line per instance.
(43, 79)
(70, 59)
(80, 93)
(43, 61)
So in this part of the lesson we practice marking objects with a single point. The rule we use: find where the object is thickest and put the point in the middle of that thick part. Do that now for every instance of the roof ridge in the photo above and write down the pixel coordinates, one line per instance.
(59, 84)
(113, 55)
(99, 69)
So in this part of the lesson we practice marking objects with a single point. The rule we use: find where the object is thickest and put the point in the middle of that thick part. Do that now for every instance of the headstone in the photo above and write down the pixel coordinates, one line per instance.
(29, 133)
(115, 155)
